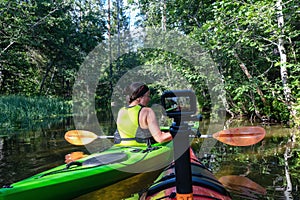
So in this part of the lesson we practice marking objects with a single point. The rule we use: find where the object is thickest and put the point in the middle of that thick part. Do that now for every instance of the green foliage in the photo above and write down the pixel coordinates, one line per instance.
(246, 33)
(237, 33)
(296, 116)
(44, 43)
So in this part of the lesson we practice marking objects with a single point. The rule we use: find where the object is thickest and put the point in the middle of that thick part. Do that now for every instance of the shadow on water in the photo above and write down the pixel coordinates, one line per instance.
(267, 170)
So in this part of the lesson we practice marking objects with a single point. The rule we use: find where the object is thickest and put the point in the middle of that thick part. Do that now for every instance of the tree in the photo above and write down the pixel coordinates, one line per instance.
(244, 39)
(44, 43)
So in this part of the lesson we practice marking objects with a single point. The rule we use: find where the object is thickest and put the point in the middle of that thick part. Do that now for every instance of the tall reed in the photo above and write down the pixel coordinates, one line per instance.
(21, 111)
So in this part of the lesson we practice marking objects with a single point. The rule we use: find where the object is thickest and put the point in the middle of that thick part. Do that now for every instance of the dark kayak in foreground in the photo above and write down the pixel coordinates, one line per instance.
(205, 185)
(89, 173)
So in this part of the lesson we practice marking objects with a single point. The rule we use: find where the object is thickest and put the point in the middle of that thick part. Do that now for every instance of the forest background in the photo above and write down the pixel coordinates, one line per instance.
(255, 44)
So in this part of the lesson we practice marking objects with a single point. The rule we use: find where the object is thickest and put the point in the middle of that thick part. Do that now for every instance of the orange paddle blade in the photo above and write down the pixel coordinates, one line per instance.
(241, 136)
(80, 137)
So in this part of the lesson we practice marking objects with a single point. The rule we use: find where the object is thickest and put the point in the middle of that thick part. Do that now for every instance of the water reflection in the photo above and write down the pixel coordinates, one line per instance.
(272, 163)
(243, 186)
(24, 153)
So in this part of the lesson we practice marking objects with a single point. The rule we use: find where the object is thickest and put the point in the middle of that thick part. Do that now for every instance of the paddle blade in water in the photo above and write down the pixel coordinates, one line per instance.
(80, 137)
(242, 186)
(241, 136)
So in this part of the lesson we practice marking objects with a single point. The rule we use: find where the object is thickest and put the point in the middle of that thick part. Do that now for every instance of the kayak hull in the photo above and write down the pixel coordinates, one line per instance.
(205, 185)
(90, 173)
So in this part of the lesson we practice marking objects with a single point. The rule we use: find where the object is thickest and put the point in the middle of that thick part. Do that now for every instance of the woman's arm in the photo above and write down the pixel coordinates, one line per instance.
(148, 121)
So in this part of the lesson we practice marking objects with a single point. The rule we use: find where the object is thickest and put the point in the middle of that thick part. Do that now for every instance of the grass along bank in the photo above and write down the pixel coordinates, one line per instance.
(25, 112)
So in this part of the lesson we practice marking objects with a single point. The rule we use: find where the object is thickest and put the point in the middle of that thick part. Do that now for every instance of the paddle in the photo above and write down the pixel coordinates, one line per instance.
(242, 185)
(82, 137)
(241, 136)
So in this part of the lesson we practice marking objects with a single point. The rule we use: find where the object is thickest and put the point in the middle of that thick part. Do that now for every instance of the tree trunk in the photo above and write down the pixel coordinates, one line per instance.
(1, 77)
(109, 40)
(51, 80)
(163, 16)
(45, 76)
(249, 76)
(283, 59)
(118, 29)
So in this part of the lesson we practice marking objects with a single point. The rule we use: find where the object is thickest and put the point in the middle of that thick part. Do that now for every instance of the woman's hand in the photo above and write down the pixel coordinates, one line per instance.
(73, 156)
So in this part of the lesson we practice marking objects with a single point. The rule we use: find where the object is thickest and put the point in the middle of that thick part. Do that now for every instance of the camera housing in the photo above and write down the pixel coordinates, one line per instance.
(179, 103)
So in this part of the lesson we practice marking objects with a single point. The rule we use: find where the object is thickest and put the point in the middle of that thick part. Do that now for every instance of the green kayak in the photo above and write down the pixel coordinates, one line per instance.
(89, 173)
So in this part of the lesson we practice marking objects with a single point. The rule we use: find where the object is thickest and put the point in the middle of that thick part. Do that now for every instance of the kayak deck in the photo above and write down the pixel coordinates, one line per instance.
(205, 185)
(89, 173)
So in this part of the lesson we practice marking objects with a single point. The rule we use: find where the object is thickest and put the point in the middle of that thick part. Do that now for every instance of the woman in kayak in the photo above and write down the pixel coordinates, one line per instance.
(136, 122)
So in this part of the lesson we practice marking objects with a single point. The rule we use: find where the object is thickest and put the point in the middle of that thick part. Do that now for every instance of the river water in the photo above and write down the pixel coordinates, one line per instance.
(267, 170)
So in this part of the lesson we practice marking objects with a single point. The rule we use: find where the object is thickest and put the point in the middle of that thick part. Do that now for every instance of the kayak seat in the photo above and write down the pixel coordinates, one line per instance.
(105, 159)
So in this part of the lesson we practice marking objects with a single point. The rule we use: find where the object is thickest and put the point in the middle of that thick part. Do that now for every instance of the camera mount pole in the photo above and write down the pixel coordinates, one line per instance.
(184, 188)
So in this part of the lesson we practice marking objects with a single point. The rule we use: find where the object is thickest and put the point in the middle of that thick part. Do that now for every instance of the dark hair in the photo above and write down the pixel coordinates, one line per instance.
(135, 90)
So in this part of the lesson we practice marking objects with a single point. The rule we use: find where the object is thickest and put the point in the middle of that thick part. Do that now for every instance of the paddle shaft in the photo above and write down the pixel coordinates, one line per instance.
(105, 137)
(191, 136)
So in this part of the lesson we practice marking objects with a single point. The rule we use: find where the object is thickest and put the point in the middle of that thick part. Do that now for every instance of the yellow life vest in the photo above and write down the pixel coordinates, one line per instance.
(129, 129)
